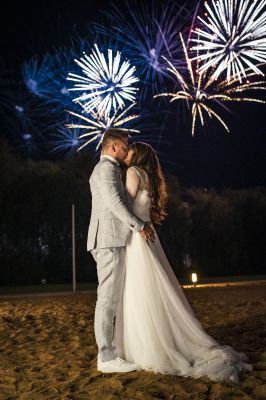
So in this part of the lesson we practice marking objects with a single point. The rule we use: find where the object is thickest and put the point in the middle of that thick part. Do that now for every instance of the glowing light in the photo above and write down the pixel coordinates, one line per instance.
(194, 277)
(27, 136)
(232, 38)
(201, 90)
(19, 108)
(97, 124)
(106, 84)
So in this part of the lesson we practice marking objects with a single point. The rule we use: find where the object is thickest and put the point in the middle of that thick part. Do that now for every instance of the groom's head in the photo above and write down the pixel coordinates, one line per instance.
(115, 144)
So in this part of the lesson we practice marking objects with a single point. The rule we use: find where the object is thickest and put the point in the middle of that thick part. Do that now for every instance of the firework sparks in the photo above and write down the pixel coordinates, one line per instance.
(232, 38)
(37, 76)
(97, 124)
(62, 62)
(66, 140)
(108, 81)
(202, 90)
(146, 34)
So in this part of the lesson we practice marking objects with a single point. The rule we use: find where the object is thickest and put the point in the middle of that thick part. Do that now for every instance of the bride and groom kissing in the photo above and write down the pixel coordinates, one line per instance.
(143, 320)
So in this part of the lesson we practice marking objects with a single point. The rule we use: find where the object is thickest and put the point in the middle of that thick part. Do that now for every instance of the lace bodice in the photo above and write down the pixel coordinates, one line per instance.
(137, 185)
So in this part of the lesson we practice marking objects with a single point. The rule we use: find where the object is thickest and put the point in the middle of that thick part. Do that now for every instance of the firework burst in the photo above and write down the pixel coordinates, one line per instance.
(66, 140)
(232, 37)
(108, 81)
(97, 124)
(147, 32)
(201, 90)
(37, 76)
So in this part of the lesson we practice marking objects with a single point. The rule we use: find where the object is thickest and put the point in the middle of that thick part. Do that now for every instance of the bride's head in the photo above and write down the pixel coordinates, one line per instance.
(144, 156)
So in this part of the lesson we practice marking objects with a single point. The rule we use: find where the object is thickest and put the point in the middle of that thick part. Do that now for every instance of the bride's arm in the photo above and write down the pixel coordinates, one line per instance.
(132, 183)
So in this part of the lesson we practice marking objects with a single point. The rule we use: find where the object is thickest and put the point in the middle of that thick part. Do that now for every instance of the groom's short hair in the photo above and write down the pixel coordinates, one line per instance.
(112, 135)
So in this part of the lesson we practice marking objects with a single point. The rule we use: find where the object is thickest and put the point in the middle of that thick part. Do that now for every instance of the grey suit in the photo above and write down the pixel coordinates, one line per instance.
(111, 215)
(110, 227)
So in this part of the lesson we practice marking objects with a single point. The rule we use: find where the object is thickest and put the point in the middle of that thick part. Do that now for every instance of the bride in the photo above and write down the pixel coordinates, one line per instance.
(155, 325)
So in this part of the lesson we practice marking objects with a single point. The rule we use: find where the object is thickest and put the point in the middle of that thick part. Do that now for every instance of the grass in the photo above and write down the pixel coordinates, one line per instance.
(50, 288)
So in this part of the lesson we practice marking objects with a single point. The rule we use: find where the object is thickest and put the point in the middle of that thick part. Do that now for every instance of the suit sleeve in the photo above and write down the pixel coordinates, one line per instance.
(109, 179)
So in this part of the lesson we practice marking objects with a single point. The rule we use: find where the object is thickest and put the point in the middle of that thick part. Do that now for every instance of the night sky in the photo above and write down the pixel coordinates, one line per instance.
(212, 158)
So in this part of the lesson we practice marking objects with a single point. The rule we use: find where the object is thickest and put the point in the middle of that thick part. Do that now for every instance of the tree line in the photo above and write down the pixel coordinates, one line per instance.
(220, 231)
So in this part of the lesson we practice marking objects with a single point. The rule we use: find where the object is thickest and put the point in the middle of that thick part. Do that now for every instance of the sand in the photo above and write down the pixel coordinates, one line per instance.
(48, 350)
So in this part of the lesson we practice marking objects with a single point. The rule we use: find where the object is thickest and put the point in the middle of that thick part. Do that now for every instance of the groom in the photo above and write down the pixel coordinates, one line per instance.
(110, 227)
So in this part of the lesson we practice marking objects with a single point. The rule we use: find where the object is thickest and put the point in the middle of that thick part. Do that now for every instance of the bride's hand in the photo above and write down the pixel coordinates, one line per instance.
(147, 232)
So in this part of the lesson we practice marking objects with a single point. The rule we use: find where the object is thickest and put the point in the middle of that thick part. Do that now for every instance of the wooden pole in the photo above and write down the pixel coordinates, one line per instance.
(74, 283)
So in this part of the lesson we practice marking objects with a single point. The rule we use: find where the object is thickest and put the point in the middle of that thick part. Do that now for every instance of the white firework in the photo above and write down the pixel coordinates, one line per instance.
(97, 125)
(106, 84)
(232, 38)
(203, 92)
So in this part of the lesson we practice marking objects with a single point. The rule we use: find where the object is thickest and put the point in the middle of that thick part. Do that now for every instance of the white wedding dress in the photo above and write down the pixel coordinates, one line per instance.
(155, 325)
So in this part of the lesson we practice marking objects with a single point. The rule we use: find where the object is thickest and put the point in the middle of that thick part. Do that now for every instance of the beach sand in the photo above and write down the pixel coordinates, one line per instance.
(48, 350)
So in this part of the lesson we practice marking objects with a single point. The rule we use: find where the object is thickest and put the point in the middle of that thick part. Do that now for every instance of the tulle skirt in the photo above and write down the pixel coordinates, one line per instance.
(156, 327)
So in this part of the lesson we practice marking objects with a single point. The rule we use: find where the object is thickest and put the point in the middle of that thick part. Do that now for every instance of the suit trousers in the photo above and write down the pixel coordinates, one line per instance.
(111, 274)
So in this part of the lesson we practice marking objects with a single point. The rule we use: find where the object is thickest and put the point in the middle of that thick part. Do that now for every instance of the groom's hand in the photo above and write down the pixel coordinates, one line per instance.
(147, 232)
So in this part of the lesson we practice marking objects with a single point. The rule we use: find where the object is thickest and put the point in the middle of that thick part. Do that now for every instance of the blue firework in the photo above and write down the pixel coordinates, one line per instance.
(37, 75)
(66, 141)
(62, 62)
(148, 31)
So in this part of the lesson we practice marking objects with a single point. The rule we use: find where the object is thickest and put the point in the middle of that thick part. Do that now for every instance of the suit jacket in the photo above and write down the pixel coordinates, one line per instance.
(112, 219)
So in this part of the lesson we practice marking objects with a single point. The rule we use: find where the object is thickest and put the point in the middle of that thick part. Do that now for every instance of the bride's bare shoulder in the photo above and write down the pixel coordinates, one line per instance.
(133, 174)
(134, 170)
(140, 173)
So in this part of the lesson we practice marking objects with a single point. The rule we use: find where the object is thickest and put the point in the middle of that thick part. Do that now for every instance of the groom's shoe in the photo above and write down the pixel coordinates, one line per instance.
(116, 365)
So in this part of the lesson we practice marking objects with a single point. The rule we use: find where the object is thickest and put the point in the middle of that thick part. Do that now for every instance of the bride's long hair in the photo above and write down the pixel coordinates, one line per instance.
(144, 156)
